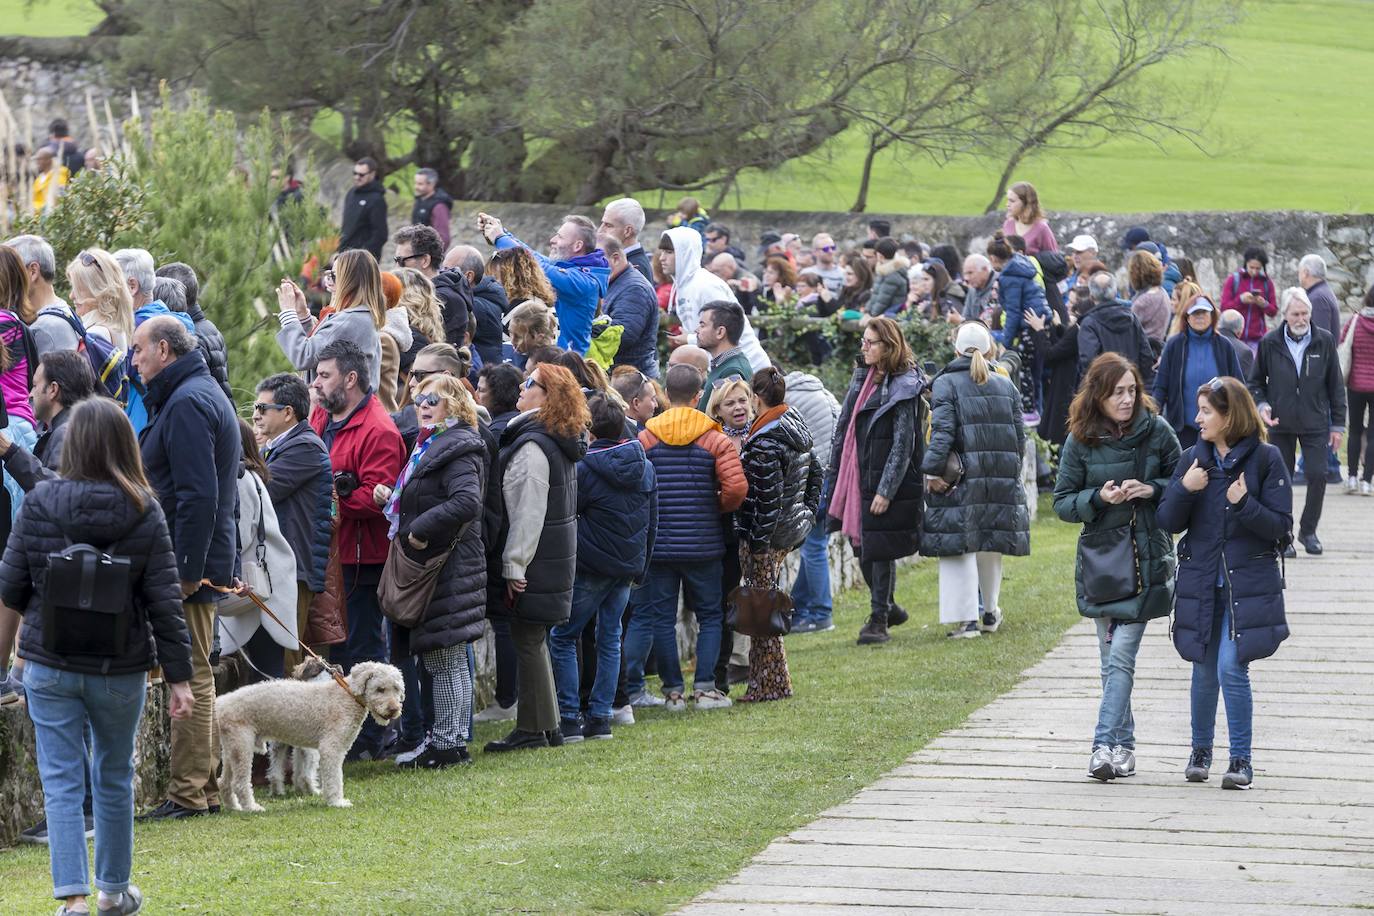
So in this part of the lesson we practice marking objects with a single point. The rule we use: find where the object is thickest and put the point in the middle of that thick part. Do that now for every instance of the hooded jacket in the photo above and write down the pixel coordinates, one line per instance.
(1018, 291)
(191, 452)
(579, 283)
(982, 423)
(1307, 400)
(699, 478)
(99, 514)
(818, 408)
(364, 219)
(694, 287)
(489, 306)
(455, 302)
(1111, 327)
(889, 287)
(1083, 469)
(1238, 545)
(617, 510)
(784, 478)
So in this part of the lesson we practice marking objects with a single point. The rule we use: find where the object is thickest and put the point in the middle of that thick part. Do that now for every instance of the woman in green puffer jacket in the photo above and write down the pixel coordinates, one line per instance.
(1119, 456)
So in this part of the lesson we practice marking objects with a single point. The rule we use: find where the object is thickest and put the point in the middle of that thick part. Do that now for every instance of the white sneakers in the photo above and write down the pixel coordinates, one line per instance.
(497, 713)
(711, 699)
(625, 715)
(1355, 485)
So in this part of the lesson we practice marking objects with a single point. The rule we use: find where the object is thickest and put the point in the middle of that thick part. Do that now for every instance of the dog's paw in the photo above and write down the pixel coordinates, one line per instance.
(278, 788)
(255, 808)
(341, 803)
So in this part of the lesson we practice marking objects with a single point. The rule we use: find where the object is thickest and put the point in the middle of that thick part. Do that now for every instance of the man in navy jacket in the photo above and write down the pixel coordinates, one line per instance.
(631, 303)
(191, 452)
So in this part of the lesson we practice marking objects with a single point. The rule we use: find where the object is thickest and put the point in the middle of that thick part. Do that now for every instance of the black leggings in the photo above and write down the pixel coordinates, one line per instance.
(880, 576)
(1361, 436)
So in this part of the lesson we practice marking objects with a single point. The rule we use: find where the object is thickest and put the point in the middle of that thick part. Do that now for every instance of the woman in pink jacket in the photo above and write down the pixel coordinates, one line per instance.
(1360, 396)
(1251, 292)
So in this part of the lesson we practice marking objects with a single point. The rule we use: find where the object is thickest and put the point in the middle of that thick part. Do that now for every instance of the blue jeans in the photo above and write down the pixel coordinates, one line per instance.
(1115, 724)
(654, 624)
(1220, 672)
(811, 590)
(60, 704)
(600, 599)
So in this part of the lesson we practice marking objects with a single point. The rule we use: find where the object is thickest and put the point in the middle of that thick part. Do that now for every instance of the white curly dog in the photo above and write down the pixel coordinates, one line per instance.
(303, 714)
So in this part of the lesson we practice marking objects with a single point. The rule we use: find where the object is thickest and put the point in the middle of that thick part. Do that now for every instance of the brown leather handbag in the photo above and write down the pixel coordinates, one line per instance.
(407, 585)
(759, 611)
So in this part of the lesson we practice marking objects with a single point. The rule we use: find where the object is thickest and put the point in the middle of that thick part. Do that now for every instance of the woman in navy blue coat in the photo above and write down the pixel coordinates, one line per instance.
(1195, 353)
(1232, 495)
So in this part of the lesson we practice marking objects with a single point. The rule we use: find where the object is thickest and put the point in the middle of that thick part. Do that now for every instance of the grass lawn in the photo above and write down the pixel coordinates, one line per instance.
(639, 824)
(48, 18)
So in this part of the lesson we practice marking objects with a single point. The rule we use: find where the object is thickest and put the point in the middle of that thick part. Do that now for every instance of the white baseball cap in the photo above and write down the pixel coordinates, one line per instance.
(1201, 304)
(1083, 243)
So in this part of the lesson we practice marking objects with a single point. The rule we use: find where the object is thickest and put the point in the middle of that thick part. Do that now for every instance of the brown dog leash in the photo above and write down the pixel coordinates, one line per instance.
(262, 606)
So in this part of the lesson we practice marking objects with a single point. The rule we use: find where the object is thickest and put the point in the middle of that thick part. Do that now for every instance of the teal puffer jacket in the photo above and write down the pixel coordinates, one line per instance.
(1083, 469)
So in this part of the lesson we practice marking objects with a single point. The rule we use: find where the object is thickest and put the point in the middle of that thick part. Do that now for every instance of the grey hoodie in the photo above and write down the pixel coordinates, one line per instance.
(694, 286)
(818, 408)
(354, 324)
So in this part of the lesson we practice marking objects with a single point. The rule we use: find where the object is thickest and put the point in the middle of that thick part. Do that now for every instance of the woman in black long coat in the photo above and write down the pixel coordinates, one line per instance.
(437, 504)
(874, 473)
(1231, 494)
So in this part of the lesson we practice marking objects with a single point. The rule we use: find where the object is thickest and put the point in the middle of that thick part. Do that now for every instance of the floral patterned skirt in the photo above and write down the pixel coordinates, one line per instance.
(768, 675)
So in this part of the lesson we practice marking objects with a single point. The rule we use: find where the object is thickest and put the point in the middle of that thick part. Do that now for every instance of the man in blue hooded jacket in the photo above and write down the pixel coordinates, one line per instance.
(617, 517)
(576, 268)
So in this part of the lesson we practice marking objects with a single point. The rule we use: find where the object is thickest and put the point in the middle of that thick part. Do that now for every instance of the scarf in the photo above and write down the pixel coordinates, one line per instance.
(847, 502)
(768, 416)
(392, 509)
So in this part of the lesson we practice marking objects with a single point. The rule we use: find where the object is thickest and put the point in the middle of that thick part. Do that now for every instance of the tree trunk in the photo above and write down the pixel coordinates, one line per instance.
(875, 146)
(1005, 179)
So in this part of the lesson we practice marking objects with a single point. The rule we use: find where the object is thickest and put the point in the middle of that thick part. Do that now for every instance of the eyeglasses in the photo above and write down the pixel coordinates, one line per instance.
(530, 383)
(429, 399)
(419, 375)
(260, 407)
(866, 343)
(327, 277)
(401, 261)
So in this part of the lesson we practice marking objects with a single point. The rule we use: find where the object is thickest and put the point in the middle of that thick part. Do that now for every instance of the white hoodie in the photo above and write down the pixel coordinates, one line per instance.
(695, 286)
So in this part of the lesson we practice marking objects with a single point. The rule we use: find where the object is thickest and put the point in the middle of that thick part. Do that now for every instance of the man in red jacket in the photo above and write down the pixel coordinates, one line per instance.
(365, 452)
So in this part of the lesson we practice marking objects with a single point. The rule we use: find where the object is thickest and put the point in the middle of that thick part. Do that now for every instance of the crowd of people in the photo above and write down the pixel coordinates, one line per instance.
(490, 440)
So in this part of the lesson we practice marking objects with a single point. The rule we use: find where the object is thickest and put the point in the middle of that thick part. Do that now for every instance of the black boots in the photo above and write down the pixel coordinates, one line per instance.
(874, 632)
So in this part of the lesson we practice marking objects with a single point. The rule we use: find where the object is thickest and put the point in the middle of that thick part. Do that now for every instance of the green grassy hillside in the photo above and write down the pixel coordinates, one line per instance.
(1288, 131)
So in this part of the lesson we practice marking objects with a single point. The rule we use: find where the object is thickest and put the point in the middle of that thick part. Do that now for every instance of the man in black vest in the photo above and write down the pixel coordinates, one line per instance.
(433, 205)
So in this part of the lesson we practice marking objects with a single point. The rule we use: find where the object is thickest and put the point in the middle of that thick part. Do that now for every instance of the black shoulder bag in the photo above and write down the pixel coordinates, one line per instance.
(1109, 560)
(87, 608)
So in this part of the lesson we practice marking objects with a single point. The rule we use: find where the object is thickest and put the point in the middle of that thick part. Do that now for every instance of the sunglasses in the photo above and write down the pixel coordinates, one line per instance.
(361, 174)
(260, 407)
(429, 399)
(722, 382)
(419, 375)
(89, 260)
(1216, 384)
(503, 254)
(530, 383)
(327, 277)
(826, 248)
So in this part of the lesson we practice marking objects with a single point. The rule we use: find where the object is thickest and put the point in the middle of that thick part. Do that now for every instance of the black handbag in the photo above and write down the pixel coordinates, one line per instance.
(1109, 560)
(87, 602)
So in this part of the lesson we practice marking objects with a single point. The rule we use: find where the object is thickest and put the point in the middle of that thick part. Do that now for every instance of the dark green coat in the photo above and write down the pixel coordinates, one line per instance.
(1083, 469)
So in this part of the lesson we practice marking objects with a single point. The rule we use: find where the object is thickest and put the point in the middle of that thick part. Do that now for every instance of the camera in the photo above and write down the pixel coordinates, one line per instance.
(345, 483)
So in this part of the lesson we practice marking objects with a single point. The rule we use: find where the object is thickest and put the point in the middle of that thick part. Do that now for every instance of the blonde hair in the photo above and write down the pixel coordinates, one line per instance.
(358, 281)
(421, 304)
(454, 397)
(725, 391)
(975, 341)
(104, 282)
(534, 322)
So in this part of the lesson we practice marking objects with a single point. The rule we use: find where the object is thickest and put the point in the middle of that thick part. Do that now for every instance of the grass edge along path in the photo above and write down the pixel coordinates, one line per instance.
(639, 824)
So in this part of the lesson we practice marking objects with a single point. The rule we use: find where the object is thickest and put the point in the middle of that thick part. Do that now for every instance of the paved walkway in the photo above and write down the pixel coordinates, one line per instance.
(999, 817)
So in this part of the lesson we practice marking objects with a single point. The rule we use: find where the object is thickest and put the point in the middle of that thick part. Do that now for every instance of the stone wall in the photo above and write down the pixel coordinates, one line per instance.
(43, 79)
(1213, 240)
(21, 794)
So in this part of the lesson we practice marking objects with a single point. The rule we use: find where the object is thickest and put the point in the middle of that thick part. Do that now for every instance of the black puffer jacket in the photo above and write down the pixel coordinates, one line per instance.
(489, 306)
(982, 423)
(442, 496)
(101, 515)
(213, 346)
(784, 485)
